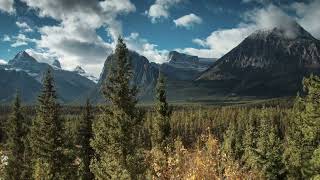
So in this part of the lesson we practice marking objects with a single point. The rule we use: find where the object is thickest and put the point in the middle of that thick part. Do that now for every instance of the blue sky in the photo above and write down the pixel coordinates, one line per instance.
(83, 32)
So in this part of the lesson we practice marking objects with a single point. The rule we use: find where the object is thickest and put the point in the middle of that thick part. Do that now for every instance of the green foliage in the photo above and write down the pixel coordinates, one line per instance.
(161, 125)
(117, 141)
(303, 136)
(16, 145)
(195, 142)
(46, 136)
(85, 134)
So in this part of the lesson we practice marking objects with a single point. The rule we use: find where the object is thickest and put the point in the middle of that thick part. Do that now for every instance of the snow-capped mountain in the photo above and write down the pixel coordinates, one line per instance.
(23, 67)
(56, 64)
(79, 70)
(269, 61)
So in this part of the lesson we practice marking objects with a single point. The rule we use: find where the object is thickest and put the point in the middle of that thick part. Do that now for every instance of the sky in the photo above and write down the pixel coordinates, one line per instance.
(84, 32)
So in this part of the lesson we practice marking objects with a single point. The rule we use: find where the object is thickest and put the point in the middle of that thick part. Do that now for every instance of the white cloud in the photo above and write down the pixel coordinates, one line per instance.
(200, 42)
(41, 55)
(188, 21)
(75, 40)
(160, 9)
(143, 47)
(74, 45)
(204, 53)
(7, 6)
(21, 40)
(222, 41)
(6, 38)
(3, 61)
(308, 16)
(24, 26)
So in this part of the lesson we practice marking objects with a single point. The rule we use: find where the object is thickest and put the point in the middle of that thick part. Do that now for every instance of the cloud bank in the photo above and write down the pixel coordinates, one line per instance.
(7, 6)
(75, 40)
(188, 21)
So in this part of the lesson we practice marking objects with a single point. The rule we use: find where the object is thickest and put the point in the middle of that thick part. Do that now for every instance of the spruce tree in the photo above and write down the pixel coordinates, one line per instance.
(15, 146)
(47, 134)
(161, 126)
(229, 140)
(269, 148)
(250, 141)
(84, 136)
(117, 141)
(303, 136)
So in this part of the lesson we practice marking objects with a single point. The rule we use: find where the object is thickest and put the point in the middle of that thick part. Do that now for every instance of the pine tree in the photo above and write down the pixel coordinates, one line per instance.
(250, 141)
(116, 140)
(269, 149)
(47, 134)
(15, 145)
(303, 136)
(161, 126)
(229, 140)
(85, 134)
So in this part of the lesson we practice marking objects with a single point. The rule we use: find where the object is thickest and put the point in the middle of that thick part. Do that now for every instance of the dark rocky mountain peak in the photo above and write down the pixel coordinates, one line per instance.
(293, 32)
(22, 57)
(175, 57)
(269, 60)
(56, 64)
(79, 70)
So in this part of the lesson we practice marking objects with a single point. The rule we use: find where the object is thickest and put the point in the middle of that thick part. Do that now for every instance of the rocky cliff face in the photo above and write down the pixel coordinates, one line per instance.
(268, 59)
(145, 74)
(184, 67)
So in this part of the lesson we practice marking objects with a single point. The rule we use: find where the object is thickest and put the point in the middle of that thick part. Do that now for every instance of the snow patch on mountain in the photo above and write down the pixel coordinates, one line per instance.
(83, 73)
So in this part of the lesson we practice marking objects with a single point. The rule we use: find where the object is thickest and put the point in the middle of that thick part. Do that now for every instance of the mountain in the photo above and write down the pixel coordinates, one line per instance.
(184, 67)
(180, 71)
(12, 80)
(56, 64)
(25, 73)
(268, 62)
(145, 75)
(79, 70)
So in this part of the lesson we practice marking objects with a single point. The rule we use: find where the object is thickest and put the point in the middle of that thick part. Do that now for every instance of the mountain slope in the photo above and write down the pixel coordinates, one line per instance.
(70, 85)
(145, 76)
(144, 73)
(83, 73)
(268, 63)
(12, 80)
(184, 67)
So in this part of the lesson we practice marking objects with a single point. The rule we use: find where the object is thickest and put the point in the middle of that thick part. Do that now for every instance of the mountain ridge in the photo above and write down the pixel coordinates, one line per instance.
(265, 56)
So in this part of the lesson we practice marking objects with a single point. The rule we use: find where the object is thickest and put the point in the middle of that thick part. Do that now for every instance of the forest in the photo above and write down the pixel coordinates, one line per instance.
(122, 140)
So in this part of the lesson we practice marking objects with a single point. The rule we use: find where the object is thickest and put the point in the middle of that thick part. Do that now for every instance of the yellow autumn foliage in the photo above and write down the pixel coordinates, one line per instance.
(205, 162)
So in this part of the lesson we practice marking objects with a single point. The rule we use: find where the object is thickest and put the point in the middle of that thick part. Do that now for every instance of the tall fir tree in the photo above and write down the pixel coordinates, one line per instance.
(250, 141)
(117, 142)
(269, 148)
(16, 168)
(85, 134)
(47, 134)
(161, 125)
(303, 136)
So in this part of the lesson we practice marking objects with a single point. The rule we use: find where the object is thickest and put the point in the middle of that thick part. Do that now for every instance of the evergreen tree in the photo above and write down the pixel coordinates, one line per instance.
(269, 149)
(303, 136)
(250, 141)
(229, 140)
(47, 134)
(161, 125)
(117, 142)
(84, 136)
(16, 168)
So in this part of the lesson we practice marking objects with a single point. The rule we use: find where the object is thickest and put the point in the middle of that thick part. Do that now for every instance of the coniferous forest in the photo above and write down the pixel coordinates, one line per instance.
(121, 139)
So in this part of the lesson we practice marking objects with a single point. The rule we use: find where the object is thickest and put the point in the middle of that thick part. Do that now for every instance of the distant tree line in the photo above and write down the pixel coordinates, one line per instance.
(123, 141)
